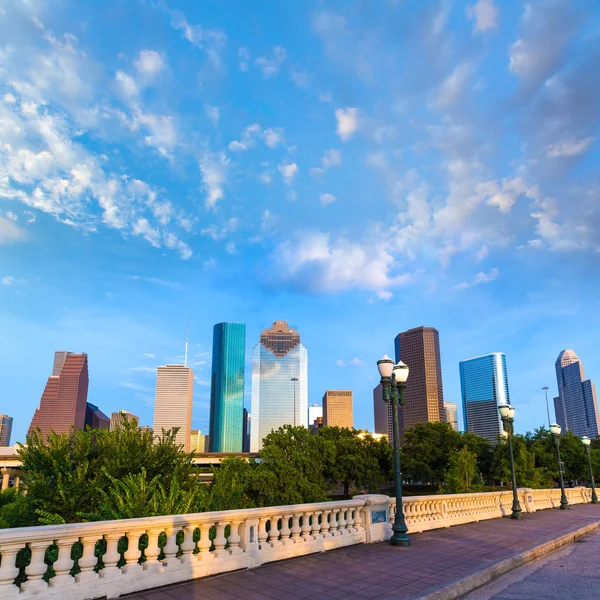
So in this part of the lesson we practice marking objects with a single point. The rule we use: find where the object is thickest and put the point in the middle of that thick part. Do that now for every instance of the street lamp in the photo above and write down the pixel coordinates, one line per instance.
(586, 444)
(507, 414)
(555, 431)
(393, 383)
(294, 380)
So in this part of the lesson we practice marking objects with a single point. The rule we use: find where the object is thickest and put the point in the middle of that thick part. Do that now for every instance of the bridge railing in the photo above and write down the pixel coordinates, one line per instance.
(113, 558)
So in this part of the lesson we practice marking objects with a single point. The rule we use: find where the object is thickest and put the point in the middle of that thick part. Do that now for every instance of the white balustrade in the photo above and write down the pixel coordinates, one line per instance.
(229, 540)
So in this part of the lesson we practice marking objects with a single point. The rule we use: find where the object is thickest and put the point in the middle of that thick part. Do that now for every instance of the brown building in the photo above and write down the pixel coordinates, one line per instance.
(64, 401)
(119, 417)
(419, 348)
(337, 408)
(95, 418)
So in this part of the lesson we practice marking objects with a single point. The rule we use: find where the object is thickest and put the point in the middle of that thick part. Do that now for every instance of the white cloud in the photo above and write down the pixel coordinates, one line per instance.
(250, 134)
(299, 78)
(127, 84)
(503, 195)
(212, 112)
(273, 137)
(147, 355)
(485, 15)
(9, 98)
(8, 280)
(230, 248)
(317, 172)
(569, 147)
(288, 172)
(482, 254)
(356, 362)
(245, 57)
(143, 228)
(327, 199)
(218, 233)
(211, 41)
(478, 279)
(454, 85)
(331, 158)
(340, 363)
(155, 281)
(149, 63)
(271, 65)
(11, 215)
(213, 169)
(347, 122)
(9, 232)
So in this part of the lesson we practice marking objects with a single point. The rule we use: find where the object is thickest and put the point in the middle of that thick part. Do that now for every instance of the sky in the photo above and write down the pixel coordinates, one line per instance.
(355, 168)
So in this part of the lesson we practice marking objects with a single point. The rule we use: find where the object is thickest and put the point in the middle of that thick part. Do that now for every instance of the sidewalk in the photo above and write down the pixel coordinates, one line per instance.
(435, 562)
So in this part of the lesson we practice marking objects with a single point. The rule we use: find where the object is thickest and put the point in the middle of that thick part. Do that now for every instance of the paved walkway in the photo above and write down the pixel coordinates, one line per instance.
(436, 559)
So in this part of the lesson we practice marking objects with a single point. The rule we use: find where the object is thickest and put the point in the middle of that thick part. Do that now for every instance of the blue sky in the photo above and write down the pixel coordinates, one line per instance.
(356, 168)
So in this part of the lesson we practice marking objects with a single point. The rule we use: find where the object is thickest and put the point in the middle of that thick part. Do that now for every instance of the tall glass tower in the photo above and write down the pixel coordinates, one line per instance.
(484, 386)
(279, 382)
(227, 388)
(576, 406)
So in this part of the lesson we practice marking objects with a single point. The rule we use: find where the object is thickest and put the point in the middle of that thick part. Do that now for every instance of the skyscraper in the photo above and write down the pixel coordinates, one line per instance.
(95, 418)
(247, 425)
(484, 386)
(5, 429)
(383, 414)
(117, 418)
(64, 401)
(451, 416)
(337, 409)
(198, 442)
(173, 404)
(227, 388)
(419, 348)
(314, 411)
(279, 382)
(576, 405)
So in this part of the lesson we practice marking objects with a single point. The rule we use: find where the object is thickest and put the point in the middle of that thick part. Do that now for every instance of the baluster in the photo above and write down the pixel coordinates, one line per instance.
(36, 568)
(357, 520)
(152, 551)
(316, 526)
(112, 556)
(64, 563)
(285, 529)
(220, 539)
(350, 521)
(9, 570)
(88, 560)
(171, 548)
(132, 554)
(325, 524)
(204, 544)
(342, 523)
(306, 526)
(235, 538)
(296, 529)
(274, 532)
(188, 545)
(333, 524)
(262, 532)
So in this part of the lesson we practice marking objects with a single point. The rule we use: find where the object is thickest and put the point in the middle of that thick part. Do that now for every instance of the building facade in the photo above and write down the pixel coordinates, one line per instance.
(451, 415)
(64, 401)
(6, 423)
(119, 417)
(198, 441)
(173, 402)
(383, 414)
(484, 386)
(95, 418)
(227, 388)
(419, 348)
(247, 429)
(279, 382)
(337, 409)
(576, 406)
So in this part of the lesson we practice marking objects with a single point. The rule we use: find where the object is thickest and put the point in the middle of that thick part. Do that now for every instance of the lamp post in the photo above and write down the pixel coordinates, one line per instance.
(555, 431)
(507, 414)
(294, 380)
(586, 444)
(393, 383)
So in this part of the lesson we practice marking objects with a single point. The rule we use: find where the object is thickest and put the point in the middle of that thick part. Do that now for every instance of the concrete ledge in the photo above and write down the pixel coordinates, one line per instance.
(458, 589)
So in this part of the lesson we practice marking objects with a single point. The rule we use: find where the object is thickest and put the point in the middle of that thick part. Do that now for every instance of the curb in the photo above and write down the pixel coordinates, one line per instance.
(459, 588)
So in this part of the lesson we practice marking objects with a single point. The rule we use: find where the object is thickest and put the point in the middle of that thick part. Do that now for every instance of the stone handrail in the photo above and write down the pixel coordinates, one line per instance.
(197, 545)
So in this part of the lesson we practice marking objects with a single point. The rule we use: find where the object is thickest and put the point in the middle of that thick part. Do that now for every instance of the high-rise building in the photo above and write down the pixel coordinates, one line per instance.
(383, 414)
(95, 418)
(419, 348)
(64, 401)
(316, 425)
(484, 386)
(247, 427)
(227, 387)
(119, 417)
(5, 430)
(198, 442)
(451, 415)
(279, 382)
(337, 409)
(314, 411)
(576, 405)
(173, 403)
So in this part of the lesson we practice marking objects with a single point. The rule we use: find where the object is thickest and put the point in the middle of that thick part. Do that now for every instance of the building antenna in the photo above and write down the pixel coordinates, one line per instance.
(186, 343)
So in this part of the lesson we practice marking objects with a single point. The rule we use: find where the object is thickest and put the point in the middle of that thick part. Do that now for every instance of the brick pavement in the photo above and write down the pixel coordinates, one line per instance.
(435, 559)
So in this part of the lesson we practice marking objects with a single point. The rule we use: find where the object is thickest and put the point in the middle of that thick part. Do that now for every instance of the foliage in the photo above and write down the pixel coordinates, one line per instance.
(231, 485)
(462, 475)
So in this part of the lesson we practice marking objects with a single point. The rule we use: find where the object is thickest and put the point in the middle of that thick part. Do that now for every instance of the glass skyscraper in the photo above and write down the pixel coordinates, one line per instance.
(484, 386)
(227, 388)
(576, 406)
(279, 382)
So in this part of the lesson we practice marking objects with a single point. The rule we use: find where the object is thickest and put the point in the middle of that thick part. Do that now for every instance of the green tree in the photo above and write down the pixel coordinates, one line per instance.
(463, 474)
(231, 486)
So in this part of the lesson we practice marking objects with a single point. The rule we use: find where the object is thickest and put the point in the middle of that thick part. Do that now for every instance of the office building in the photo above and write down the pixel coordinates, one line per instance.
(484, 386)
(451, 415)
(383, 414)
(247, 426)
(337, 409)
(64, 400)
(279, 382)
(95, 418)
(316, 425)
(173, 403)
(227, 388)
(576, 405)
(198, 442)
(119, 417)
(314, 411)
(145, 429)
(5, 430)
(419, 348)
